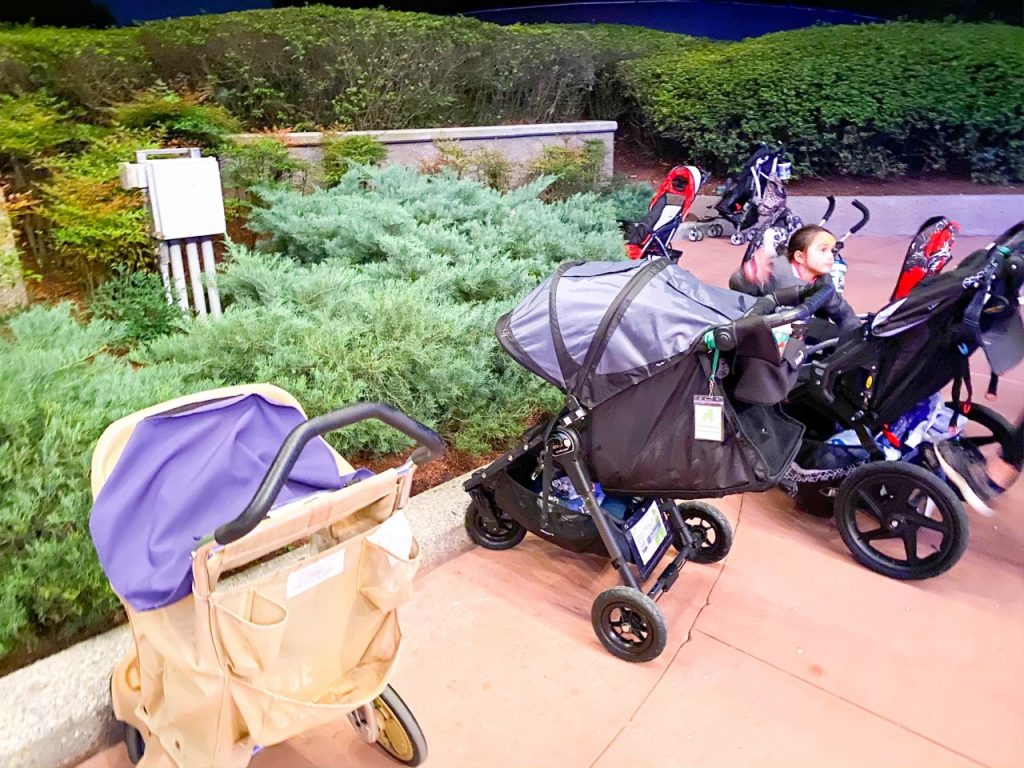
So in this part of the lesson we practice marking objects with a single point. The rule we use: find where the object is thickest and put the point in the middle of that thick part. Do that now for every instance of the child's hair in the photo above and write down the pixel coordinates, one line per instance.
(801, 239)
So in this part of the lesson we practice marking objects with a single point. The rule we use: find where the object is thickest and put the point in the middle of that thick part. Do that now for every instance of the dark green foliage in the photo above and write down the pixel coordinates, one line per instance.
(873, 100)
(137, 302)
(340, 154)
(181, 120)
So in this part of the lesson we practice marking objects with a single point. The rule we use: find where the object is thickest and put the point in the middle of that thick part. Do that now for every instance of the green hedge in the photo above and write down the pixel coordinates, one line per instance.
(388, 289)
(873, 100)
(324, 67)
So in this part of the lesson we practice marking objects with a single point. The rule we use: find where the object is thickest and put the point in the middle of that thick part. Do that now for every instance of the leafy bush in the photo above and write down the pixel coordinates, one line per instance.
(248, 167)
(183, 120)
(341, 153)
(575, 169)
(34, 126)
(137, 302)
(486, 165)
(629, 201)
(872, 100)
(94, 224)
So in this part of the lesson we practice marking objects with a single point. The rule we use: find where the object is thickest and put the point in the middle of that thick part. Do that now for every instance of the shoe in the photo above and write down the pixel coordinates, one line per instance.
(966, 467)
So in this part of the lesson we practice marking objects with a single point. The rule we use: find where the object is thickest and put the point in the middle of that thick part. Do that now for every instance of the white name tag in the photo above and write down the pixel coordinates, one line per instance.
(306, 578)
(707, 417)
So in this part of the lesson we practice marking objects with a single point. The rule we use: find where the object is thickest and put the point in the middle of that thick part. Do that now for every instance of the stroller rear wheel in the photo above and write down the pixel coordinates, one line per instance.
(737, 238)
(709, 527)
(900, 520)
(503, 533)
(389, 723)
(716, 230)
(695, 235)
(629, 624)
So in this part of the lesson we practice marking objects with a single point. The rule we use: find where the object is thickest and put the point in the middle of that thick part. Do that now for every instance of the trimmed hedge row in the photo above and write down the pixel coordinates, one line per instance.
(323, 67)
(872, 100)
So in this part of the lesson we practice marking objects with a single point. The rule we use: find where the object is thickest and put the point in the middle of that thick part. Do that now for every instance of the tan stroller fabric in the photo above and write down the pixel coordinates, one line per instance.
(227, 669)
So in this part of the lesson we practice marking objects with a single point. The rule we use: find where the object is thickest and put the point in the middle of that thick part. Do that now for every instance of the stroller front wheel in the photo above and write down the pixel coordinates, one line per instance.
(900, 520)
(629, 624)
(134, 743)
(395, 731)
(737, 238)
(503, 533)
(709, 527)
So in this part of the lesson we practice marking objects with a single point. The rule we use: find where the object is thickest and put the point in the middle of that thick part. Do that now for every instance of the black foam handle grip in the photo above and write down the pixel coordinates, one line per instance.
(430, 447)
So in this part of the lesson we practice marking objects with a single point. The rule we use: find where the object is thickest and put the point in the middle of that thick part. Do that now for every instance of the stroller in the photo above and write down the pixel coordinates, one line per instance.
(893, 505)
(220, 669)
(754, 199)
(650, 237)
(687, 412)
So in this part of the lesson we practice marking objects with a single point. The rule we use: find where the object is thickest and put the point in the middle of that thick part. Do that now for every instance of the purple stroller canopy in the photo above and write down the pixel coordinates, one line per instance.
(183, 473)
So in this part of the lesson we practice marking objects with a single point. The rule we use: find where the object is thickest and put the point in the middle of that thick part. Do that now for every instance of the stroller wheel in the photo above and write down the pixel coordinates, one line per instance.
(987, 427)
(695, 235)
(715, 230)
(504, 534)
(134, 743)
(901, 520)
(399, 735)
(737, 238)
(629, 624)
(709, 527)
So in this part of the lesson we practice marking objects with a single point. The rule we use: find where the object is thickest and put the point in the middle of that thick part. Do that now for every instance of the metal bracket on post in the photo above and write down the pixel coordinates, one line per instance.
(183, 194)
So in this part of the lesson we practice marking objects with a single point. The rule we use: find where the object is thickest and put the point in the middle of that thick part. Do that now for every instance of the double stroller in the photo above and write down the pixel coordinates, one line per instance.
(895, 504)
(193, 488)
(672, 389)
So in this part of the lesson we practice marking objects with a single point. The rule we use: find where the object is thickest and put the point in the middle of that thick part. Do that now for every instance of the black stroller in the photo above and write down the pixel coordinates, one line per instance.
(901, 517)
(754, 199)
(672, 389)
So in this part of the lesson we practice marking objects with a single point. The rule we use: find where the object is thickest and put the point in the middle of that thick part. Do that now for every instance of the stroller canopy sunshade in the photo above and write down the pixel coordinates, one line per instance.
(594, 329)
(181, 475)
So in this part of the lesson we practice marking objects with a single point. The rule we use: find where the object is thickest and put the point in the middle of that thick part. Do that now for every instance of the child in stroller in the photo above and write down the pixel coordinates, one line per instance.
(684, 413)
(901, 516)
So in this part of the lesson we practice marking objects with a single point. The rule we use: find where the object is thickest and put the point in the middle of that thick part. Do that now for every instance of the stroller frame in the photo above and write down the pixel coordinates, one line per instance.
(626, 619)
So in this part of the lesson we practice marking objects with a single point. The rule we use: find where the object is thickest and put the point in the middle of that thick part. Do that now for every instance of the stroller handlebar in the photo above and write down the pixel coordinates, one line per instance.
(430, 446)
(813, 297)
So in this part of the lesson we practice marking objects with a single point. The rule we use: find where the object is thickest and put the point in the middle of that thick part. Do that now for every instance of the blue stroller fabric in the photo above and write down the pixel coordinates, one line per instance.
(182, 474)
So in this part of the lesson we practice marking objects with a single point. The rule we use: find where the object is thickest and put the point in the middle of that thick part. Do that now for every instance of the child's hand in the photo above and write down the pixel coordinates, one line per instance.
(759, 268)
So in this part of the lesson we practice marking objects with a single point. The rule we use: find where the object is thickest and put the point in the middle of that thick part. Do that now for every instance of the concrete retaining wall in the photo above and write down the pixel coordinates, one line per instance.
(520, 144)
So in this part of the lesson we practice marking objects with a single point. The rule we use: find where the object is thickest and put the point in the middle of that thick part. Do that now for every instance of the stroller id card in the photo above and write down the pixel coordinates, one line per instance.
(707, 417)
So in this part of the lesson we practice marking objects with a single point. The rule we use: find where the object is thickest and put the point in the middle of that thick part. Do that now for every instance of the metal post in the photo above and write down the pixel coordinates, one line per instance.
(196, 277)
(210, 268)
(178, 273)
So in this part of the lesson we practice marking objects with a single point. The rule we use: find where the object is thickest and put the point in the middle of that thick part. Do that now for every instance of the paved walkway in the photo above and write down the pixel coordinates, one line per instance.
(787, 654)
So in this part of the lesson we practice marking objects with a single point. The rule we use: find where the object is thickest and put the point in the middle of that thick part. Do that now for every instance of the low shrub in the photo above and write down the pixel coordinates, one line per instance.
(341, 153)
(254, 165)
(137, 302)
(486, 165)
(575, 169)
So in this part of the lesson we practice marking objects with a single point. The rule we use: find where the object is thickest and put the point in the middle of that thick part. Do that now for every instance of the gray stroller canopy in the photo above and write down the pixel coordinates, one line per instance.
(594, 329)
